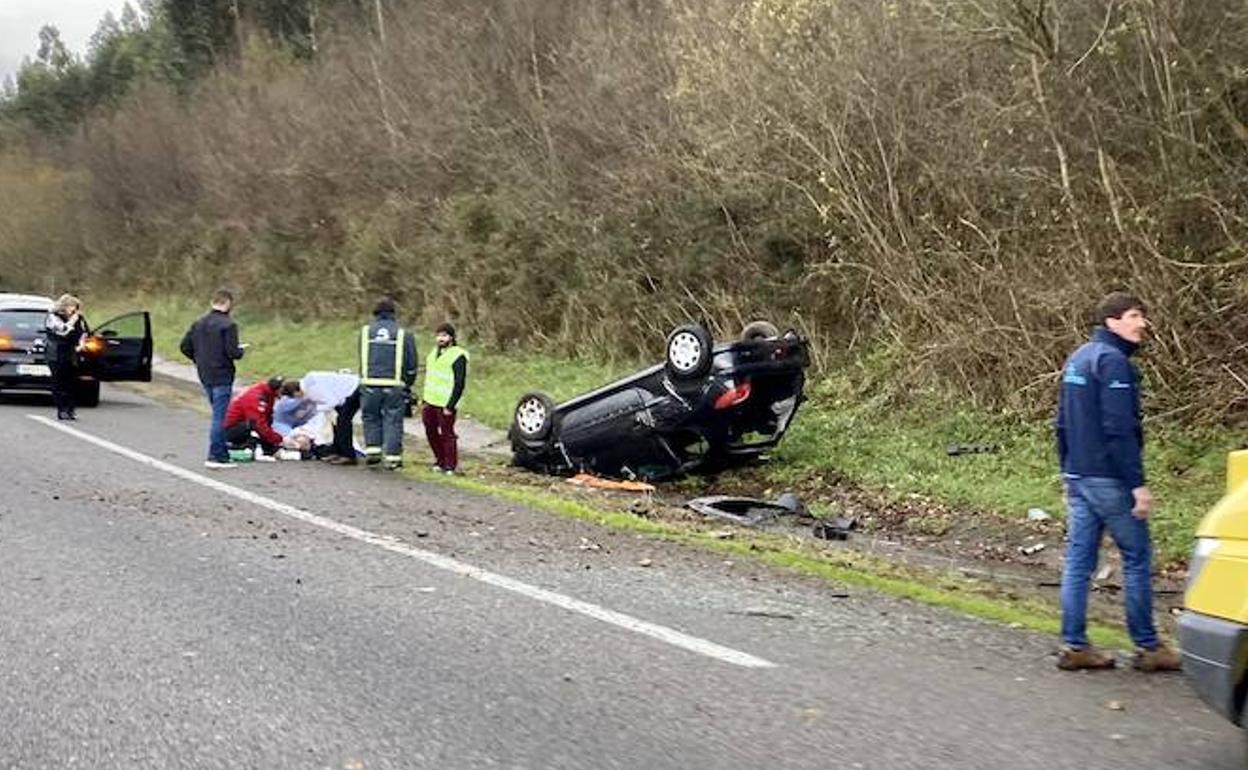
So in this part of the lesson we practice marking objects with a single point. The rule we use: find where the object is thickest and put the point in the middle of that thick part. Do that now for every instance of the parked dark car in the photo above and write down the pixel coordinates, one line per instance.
(118, 350)
(707, 406)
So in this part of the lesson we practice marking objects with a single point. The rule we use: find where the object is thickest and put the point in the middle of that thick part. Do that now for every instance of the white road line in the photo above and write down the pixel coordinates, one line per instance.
(627, 622)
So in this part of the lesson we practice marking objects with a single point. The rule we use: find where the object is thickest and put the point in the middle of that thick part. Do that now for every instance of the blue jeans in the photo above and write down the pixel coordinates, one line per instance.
(1095, 504)
(219, 397)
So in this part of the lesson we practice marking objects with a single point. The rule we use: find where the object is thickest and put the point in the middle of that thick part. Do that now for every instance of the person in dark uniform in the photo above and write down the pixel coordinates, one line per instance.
(65, 331)
(387, 372)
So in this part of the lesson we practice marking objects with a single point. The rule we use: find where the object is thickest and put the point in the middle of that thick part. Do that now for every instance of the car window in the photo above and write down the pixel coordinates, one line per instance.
(128, 326)
(21, 324)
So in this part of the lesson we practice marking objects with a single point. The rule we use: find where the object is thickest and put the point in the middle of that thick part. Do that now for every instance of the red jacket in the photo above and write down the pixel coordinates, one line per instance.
(255, 405)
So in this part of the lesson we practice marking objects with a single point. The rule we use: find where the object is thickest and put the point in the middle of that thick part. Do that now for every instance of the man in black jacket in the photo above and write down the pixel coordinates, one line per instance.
(212, 343)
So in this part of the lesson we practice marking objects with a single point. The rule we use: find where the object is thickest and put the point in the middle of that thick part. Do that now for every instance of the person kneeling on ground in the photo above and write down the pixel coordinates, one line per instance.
(319, 419)
(340, 392)
(249, 418)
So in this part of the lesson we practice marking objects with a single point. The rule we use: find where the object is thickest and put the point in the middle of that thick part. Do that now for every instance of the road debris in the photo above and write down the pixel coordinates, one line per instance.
(645, 563)
(1038, 514)
(597, 482)
(837, 528)
(953, 450)
(1031, 550)
(589, 545)
(792, 502)
(763, 612)
(746, 511)
(1104, 573)
(1115, 705)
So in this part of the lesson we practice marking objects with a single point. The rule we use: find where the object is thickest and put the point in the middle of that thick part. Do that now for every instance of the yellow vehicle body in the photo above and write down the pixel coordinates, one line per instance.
(1213, 630)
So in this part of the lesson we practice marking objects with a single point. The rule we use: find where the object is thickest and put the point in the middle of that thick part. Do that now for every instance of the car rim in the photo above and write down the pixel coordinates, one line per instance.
(684, 352)
(531, 416)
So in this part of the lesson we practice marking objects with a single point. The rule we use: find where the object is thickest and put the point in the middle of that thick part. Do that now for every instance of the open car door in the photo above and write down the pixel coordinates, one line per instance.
(123, 349)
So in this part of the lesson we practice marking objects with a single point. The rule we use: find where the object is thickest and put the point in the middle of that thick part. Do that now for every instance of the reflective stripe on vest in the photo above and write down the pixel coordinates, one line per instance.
(365, 360)
(440, 375)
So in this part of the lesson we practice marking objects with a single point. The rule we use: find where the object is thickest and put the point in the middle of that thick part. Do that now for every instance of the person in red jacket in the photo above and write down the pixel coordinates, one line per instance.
(249, 417)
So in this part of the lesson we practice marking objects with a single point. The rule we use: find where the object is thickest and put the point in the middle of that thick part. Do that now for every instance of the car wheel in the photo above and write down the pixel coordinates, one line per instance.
(759, 330)
(87, 395)
(689, 350)
(534, 419)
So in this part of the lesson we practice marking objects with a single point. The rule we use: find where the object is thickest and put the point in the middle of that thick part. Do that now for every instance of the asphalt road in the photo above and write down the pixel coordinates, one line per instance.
(310, 617)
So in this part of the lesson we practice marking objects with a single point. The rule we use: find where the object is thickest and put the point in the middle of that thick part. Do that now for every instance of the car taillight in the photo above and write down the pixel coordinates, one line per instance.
(734, 395)
(6, 343)
(93, 346)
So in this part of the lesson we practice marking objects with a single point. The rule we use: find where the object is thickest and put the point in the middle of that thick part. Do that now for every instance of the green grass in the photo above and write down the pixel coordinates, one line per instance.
(282, 346)
(947, 591)
(839, 434)
(902, 452)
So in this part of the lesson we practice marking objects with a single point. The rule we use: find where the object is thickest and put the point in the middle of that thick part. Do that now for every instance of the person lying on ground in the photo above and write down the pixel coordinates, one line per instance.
(249, 417)
(291, 412)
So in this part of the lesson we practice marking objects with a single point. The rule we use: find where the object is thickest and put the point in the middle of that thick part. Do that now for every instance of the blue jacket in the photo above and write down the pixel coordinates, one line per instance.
(1098, 412)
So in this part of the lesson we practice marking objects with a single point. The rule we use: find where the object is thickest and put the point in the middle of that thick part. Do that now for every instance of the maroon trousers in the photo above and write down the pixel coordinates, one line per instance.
(440, 430)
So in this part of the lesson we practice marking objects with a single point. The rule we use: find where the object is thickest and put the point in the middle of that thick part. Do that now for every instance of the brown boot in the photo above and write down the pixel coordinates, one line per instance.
(1070, 659)
(1160, 659)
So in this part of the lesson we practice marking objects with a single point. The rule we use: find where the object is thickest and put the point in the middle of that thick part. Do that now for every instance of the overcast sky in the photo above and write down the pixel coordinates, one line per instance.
(20, 21)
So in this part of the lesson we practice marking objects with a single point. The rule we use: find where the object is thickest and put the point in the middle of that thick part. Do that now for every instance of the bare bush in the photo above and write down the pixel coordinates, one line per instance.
(953, 182)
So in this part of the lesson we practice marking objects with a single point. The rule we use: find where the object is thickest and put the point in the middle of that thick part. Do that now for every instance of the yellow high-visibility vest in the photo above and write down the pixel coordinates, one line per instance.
(440, 375)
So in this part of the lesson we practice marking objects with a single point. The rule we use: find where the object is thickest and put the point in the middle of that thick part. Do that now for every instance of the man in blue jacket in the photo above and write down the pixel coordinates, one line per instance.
(1100, 443)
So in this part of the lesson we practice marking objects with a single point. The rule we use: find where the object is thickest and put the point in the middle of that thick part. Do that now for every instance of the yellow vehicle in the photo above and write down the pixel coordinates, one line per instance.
(1213, 630)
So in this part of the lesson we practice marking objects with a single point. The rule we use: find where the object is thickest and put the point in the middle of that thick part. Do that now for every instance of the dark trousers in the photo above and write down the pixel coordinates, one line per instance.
(343, 431)
(440, 430)
(64, 377)
(240, 435)
(381, 410)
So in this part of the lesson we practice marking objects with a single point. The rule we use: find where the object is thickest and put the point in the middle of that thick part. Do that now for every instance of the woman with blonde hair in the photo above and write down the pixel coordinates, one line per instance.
(64, 331)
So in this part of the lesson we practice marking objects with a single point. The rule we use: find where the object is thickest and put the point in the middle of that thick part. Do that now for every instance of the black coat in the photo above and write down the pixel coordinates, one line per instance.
(212, 343)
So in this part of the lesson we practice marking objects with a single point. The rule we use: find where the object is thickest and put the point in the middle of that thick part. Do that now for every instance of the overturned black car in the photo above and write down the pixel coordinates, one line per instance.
(706, 407)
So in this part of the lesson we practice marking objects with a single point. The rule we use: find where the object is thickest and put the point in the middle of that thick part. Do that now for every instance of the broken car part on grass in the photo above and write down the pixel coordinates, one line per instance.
(707, 406)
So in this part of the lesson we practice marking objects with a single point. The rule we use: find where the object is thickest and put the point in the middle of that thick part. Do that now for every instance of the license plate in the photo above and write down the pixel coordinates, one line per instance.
(33, 370)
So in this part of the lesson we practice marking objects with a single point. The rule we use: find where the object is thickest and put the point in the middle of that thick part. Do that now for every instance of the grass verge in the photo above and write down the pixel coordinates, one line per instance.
(842, 433)
(843, 568)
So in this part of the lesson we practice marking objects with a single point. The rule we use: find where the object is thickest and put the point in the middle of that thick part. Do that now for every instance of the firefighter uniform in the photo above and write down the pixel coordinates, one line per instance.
(387, 371)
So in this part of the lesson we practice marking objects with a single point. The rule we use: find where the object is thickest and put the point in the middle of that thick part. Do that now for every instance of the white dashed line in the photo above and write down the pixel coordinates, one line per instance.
(627, 622)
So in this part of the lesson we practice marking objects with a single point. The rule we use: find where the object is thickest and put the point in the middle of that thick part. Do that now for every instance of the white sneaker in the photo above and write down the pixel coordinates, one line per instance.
(261, 457)
(218, 465)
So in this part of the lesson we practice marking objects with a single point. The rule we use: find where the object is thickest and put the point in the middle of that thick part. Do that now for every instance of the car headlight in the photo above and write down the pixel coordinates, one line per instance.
(1205, 546)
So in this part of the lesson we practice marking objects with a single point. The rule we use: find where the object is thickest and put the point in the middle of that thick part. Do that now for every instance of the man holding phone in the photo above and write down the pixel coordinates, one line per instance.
(212, 343)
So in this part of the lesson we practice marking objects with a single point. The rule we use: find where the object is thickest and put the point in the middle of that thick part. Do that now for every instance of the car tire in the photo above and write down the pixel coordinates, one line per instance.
(534, 418)
(759, 330)
(87, 395)
(688, 351)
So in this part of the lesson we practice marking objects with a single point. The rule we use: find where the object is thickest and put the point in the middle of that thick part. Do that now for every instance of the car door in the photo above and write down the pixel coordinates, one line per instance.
(125, 349)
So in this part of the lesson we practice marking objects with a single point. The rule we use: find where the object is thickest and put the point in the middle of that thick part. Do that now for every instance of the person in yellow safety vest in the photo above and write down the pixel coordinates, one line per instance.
(387, 372)
(446, 372)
